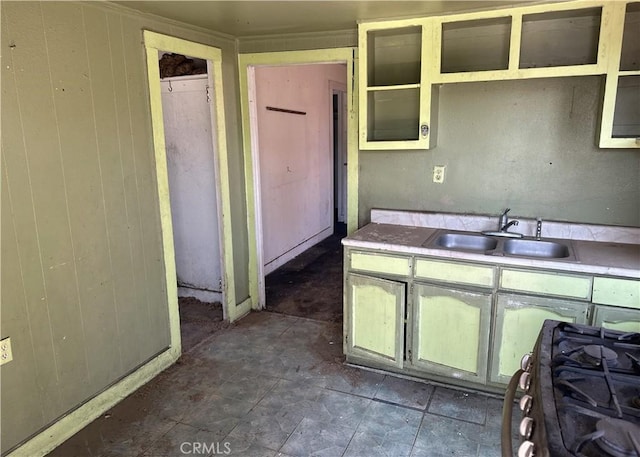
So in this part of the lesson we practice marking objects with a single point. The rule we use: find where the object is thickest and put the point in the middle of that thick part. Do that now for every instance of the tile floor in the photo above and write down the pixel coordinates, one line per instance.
(276, 385)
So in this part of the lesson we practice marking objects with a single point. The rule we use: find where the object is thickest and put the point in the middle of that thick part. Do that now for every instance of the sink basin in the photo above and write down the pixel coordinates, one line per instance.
(501, 246)
(536, 248)
(464, 241)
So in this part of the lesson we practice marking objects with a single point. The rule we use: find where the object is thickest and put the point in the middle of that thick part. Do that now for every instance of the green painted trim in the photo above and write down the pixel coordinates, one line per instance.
(245, 64)
(155, 42)
(72, 423)
(160, 42)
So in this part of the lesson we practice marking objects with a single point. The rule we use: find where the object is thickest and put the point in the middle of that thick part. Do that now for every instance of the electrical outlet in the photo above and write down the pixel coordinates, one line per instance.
(6, 355)
(438, 174)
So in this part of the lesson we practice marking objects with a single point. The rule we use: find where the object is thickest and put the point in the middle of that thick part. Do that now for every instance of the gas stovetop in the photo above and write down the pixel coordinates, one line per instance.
(590, 387)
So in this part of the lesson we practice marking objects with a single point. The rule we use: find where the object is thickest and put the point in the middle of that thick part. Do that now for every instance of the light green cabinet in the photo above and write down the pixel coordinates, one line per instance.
(623, 296)
(468, 323)
(403, 62)
(550, 283)
(517, 323)
(374, 319)
(620, 119)
(444, 271)
(617, 292)
(378, 263)
(622, 319)
(451, 332)
(394, 101)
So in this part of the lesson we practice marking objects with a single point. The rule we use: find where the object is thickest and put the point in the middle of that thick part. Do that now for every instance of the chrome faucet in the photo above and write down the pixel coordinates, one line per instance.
(503, 227)
(504, 223)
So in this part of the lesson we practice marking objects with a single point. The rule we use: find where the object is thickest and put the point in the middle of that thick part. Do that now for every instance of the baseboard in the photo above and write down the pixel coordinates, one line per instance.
(60, 431)
(207, 296)
(296, 251)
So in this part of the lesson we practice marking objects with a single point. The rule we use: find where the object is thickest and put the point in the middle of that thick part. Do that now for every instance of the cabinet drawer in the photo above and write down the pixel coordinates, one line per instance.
(460, 273)
(618, 292)
(557, 284)
(380, 263)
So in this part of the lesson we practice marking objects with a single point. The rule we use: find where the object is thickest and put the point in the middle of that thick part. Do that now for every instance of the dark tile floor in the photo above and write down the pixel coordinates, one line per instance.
(309, 285)
(276, 385)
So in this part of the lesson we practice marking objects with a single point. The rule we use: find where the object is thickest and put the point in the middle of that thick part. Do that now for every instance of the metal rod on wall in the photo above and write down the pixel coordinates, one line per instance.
(282, 110)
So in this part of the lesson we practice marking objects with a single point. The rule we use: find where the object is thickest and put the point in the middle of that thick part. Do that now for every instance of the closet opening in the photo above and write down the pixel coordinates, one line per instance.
(187, 100)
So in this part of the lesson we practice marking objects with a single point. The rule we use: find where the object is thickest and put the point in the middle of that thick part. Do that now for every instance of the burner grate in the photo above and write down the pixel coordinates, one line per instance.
(592, 375)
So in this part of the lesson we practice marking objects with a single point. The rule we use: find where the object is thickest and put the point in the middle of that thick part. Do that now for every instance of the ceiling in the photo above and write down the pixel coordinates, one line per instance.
(255, 18)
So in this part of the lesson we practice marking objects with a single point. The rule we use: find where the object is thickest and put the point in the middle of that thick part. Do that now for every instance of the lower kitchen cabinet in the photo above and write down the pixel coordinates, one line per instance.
(467, 323)
(375, 319)
(623, 319)
(451, 332)
(517, 323)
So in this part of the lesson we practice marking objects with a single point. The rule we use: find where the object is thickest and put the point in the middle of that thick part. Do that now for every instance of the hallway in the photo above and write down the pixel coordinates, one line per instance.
(310, 285)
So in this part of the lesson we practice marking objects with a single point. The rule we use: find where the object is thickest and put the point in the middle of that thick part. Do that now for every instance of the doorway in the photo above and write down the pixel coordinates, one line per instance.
(193, 193)
(307, 203)
(293, 125)
(250, 65)
(192, 184)
(154, 44)
(339, 145)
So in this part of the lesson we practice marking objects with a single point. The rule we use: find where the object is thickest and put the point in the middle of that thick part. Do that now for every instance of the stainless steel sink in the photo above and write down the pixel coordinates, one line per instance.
(497, 246)
(466, 242)
(536, 248)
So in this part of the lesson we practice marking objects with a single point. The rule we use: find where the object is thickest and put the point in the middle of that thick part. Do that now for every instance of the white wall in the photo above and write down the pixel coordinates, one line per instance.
(296, 156)
(192, 186)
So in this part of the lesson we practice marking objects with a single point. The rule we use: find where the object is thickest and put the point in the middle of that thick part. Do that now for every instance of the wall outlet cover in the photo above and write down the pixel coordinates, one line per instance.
(438, 174)
(6, 355)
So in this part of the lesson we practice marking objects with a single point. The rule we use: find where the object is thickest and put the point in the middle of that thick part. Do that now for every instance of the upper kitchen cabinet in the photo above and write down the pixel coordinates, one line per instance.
(620, 124)
(475, 45)
(539, 41)
(395, 101)
(404, 62)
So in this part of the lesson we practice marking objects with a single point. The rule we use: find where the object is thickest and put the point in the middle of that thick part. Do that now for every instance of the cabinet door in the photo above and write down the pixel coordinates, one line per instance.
(623, 319)
(620, 118)
(451, 332)
(394, 102)
(374, 319)
(517, 323)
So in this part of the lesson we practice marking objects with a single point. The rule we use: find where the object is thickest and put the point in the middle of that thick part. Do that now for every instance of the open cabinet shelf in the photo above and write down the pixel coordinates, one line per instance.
(393, 105)
(406, 61)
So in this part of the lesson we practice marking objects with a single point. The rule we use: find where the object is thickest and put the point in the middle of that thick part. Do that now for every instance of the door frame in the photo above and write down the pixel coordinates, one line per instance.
(153, 43)
(246, 66)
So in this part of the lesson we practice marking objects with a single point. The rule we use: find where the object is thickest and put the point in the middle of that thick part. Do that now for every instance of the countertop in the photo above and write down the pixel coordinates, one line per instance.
(600, 258)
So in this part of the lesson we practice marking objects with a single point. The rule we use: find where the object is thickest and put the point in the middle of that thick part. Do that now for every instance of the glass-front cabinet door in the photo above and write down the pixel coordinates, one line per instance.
(394, 99)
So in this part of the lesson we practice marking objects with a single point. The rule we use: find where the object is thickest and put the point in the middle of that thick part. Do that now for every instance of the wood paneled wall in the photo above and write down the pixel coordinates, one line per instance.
(83, 291)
